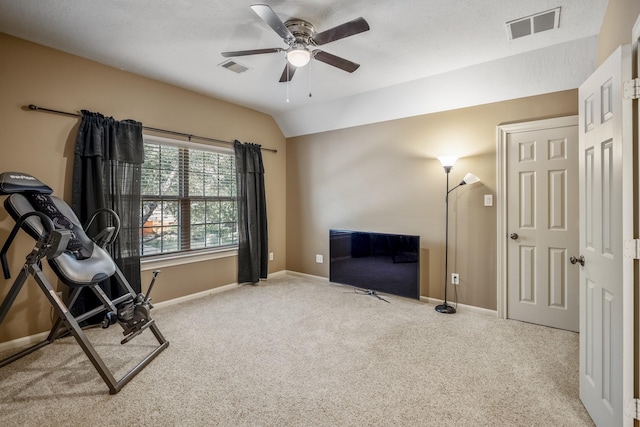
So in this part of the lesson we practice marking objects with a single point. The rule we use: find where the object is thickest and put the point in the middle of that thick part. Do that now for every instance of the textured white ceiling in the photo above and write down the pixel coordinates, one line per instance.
(419, 56)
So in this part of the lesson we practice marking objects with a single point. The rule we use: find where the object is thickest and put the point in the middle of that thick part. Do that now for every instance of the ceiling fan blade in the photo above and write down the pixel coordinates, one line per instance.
(336, 61)
(269, 16)
(287, 74)
(251, 52)
(347, 29)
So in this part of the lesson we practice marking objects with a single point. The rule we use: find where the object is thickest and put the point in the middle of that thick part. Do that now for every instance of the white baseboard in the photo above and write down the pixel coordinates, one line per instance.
(305, 275)
(212, 291)
(197, 295)
(23, 341)
(434, 301)
(277, 274)
(36, 338)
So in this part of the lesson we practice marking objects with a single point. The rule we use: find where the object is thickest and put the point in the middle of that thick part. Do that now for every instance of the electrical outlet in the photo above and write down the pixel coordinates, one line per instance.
(270, 256)
(319, 259)
(455, 279)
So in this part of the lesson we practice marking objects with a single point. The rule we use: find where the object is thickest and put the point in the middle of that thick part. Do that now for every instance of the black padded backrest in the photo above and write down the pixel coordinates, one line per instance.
(93, 267)
(80, 245)
(83, 263)
(18, 182)
(21, 183)
(38, 196)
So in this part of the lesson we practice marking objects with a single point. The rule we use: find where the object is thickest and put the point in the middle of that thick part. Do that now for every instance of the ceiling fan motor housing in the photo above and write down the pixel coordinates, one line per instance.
(299, 34)
(302, 30)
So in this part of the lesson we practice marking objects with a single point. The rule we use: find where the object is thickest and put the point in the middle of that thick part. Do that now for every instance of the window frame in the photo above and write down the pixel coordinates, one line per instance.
(158, 260)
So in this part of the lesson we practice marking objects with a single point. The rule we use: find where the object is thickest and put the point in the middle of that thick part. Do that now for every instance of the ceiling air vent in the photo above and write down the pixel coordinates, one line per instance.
(234, 66)
(533, 24)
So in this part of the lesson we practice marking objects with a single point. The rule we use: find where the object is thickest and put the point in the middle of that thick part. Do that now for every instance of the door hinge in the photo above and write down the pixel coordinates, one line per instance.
(631, 89)
(632, 248)
(633, 408)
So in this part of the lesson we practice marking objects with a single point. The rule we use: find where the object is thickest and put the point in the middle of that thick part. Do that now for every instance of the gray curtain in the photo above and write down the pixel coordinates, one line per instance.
(253, 257)
(106, 174)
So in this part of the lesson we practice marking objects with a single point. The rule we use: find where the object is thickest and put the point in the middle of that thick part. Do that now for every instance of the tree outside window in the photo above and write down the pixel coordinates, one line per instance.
(188, 198)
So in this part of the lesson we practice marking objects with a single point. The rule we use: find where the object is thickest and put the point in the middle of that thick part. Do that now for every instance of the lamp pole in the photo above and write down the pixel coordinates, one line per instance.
(469, 178)
(444, 307)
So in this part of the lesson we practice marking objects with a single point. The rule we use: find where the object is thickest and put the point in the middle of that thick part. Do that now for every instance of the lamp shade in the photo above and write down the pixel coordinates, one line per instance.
(447, 161)
(470, 179)
(299, 57)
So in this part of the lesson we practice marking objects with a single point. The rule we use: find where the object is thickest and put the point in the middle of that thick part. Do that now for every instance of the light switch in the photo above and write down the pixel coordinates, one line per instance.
(488, 199)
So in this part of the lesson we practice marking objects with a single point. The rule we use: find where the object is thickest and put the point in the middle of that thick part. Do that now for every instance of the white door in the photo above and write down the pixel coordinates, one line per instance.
(542, 225)
(606, 222)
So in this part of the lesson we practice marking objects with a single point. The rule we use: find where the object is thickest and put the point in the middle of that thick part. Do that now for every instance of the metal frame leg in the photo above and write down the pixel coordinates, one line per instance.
(65, 317)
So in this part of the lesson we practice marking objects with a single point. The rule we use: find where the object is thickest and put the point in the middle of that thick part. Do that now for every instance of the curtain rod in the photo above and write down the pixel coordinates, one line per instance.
(204, 138)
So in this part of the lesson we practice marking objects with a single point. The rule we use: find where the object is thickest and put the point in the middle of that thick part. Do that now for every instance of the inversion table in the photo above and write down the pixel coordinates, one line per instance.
(80, 263)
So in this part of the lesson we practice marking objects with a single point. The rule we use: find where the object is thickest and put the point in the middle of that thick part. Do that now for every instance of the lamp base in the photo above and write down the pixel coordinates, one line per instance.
(445, 308)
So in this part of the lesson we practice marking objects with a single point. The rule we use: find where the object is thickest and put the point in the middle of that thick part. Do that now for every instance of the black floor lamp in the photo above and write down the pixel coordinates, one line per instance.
(447, 164)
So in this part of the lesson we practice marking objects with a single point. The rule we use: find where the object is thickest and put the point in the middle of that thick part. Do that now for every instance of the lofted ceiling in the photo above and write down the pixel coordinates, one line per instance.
(419, 56)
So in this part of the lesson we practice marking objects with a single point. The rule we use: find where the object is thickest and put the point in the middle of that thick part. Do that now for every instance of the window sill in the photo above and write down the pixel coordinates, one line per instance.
(161, 261)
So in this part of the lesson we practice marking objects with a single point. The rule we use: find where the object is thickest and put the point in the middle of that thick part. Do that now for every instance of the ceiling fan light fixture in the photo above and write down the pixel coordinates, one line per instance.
(298, 56)
(301, 38)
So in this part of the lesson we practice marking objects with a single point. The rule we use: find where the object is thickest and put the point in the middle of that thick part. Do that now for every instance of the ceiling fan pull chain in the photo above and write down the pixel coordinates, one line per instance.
(288, 83)
(309, 72)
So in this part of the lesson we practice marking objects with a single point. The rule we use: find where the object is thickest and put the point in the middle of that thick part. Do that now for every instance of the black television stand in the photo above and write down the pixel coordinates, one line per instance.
(370, 292)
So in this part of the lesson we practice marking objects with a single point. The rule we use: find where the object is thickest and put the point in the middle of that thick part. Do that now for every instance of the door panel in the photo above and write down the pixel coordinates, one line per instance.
(542, 189)
(606, 221)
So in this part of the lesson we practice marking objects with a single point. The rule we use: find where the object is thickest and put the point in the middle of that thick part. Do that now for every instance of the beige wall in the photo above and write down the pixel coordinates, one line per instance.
(42, 144)
(385, 177)
(616, 26)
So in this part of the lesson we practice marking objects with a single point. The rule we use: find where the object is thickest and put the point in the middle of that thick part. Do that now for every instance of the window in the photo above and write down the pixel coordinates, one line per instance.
(188, 199)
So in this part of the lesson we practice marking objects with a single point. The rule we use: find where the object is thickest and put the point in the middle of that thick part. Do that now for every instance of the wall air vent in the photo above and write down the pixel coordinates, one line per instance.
(234, 66)
(532, 24)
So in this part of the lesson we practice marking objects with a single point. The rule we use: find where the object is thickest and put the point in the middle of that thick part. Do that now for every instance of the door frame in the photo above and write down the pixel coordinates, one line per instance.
(503, 131)
(635, 73)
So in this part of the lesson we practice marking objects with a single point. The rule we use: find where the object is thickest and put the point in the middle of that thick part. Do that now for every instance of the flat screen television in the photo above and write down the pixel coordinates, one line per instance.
(381, 262)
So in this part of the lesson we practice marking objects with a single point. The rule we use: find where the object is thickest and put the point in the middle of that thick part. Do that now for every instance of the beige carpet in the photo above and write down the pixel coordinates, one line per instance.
(301, 352)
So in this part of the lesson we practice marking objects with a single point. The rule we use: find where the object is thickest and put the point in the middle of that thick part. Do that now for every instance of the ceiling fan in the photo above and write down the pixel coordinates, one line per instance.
(300, 35)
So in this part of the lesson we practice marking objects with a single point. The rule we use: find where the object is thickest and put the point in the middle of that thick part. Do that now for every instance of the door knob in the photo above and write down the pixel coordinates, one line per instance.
(574, 260)
(514, 236)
